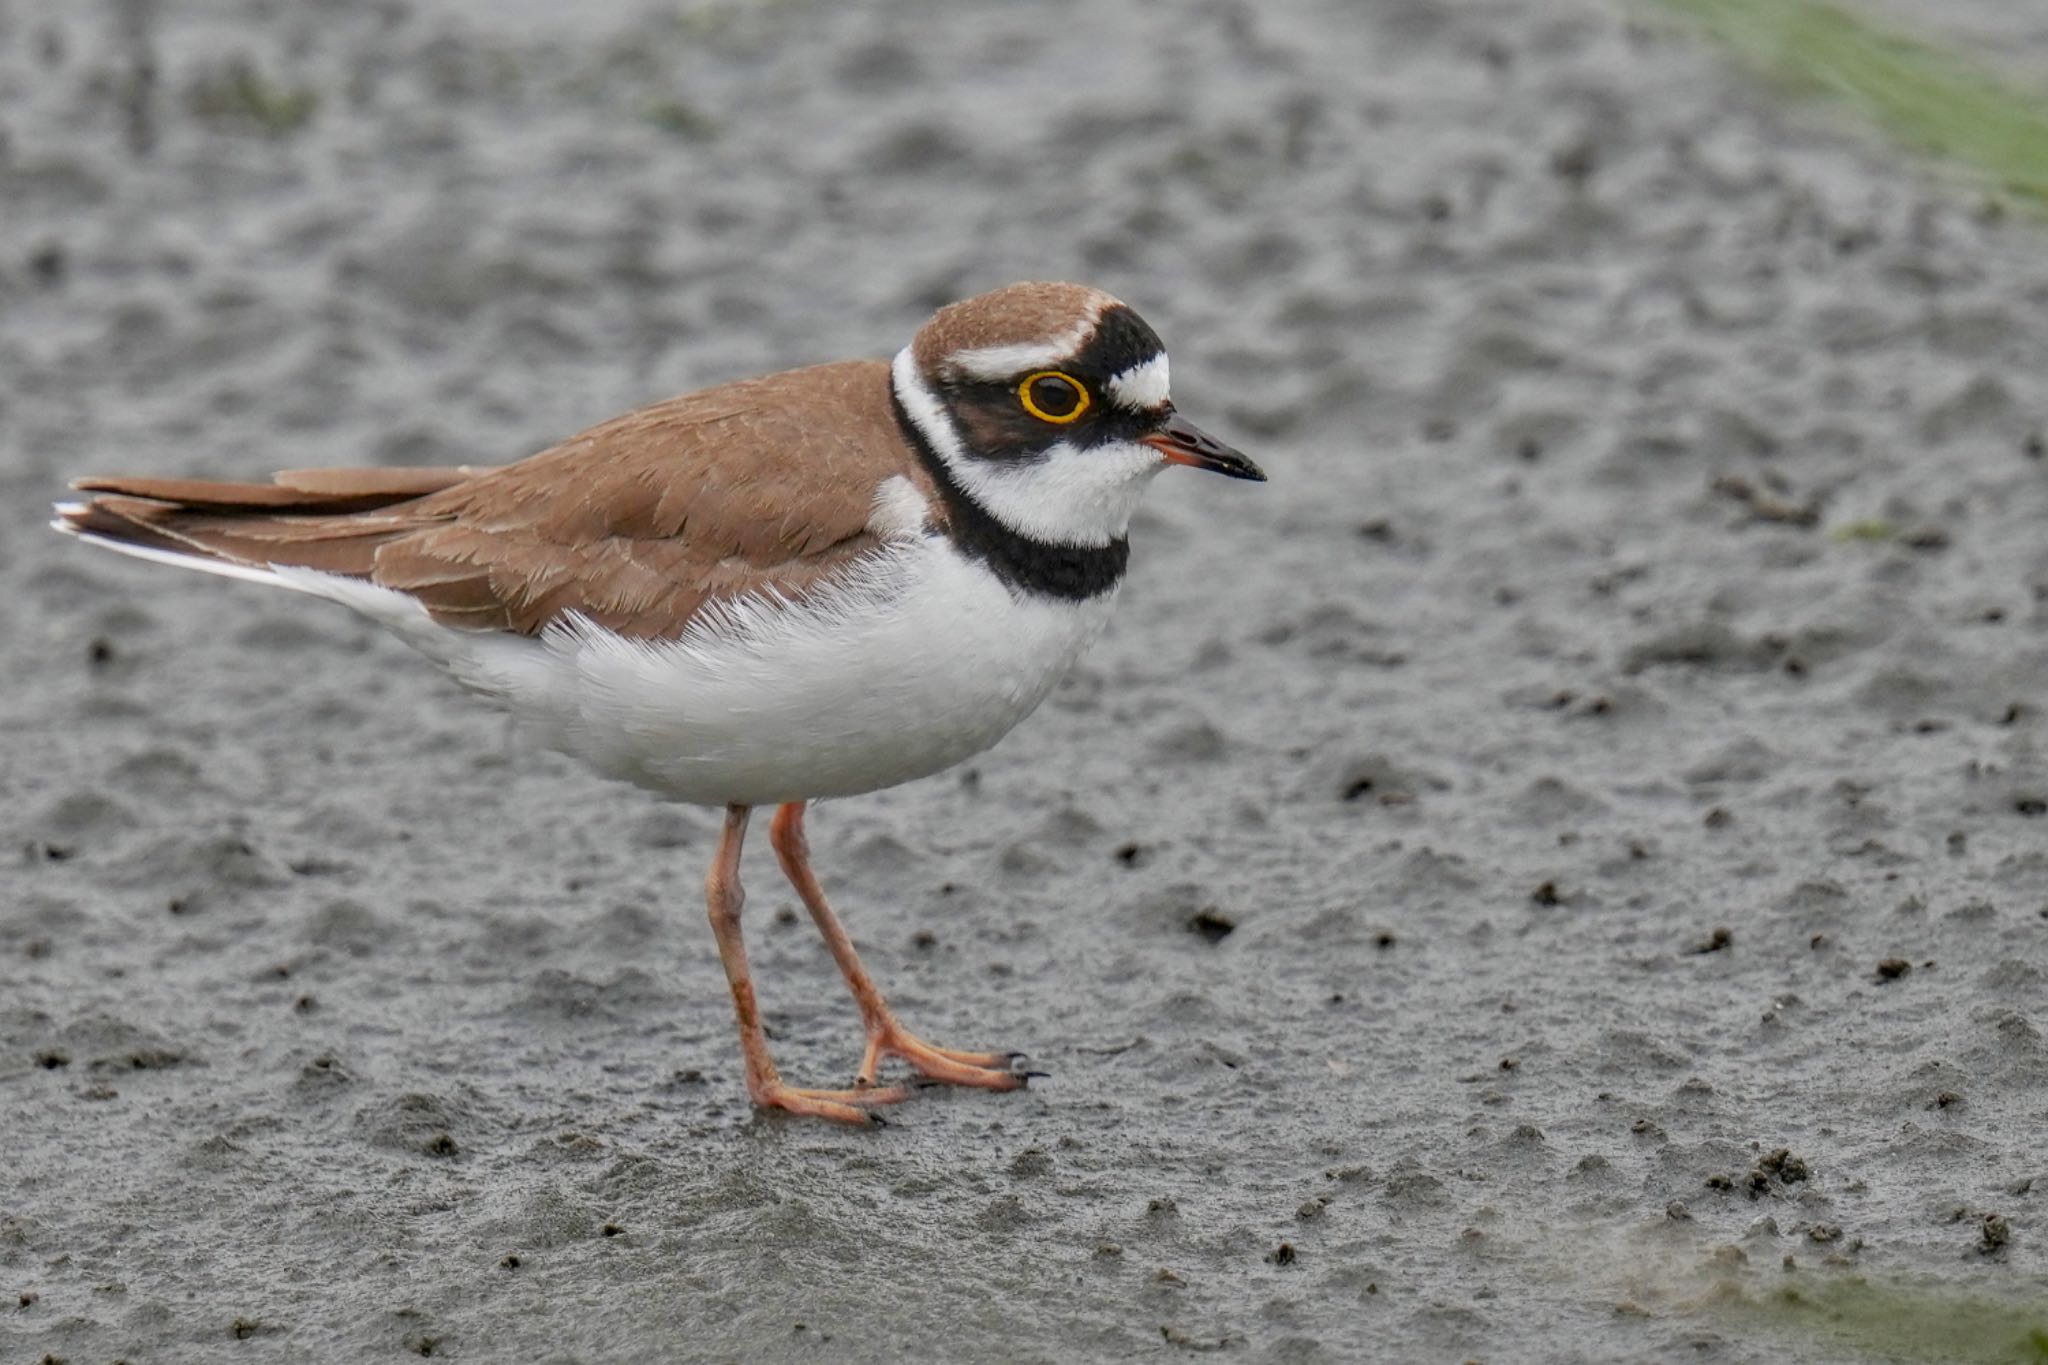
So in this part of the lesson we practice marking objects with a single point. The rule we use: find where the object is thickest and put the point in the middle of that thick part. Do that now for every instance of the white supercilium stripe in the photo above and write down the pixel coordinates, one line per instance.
(996, 363)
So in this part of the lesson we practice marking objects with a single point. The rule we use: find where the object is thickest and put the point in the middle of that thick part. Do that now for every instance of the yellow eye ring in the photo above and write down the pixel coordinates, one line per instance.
(1032, 402)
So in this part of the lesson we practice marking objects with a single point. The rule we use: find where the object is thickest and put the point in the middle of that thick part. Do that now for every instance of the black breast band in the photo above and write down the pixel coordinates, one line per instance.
(1069, 573)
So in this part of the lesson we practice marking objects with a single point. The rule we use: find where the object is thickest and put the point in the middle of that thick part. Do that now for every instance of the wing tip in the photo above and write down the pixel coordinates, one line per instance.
(224, 568)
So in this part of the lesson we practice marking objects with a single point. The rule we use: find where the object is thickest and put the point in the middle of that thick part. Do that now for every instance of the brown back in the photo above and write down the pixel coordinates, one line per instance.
(636, 523)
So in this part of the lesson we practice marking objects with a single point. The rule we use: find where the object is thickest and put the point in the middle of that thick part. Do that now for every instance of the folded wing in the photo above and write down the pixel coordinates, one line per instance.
(763, 485)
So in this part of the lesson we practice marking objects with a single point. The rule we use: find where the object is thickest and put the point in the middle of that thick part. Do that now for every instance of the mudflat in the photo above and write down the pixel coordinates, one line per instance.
(1559, 874)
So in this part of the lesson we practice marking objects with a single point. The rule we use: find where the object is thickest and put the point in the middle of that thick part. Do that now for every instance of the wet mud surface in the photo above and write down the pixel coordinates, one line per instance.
(1559, 867)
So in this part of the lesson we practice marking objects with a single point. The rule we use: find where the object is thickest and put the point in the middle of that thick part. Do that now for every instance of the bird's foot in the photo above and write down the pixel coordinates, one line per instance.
(841, 1106)
(945, 1065)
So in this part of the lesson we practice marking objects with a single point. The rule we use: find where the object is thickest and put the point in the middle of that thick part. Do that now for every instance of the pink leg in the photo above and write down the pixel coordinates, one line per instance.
(886, 1037)
(722, 890)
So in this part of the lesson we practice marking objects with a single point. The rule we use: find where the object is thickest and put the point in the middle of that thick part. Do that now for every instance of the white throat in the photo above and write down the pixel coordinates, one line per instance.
(1070, 496)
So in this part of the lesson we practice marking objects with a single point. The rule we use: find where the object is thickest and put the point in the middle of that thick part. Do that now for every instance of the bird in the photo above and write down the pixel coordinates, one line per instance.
(814, 584)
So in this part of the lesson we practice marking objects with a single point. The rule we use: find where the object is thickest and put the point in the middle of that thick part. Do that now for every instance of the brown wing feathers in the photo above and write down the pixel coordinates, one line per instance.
(635, 523)
(294, 490)
(259, 524)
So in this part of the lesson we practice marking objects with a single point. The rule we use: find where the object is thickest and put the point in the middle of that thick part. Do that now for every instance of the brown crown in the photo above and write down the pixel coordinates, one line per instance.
(1033, 314)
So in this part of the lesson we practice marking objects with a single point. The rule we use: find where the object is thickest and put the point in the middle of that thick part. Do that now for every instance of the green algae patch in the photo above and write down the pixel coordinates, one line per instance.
(1894, 1322)
(1919, 93)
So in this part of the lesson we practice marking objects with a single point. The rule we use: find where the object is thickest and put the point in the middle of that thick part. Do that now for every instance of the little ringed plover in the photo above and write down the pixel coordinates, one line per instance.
(813, 584)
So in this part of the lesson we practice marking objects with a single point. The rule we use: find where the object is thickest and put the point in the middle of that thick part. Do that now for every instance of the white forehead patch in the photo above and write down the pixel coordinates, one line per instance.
(996, 363)
(1142, 386)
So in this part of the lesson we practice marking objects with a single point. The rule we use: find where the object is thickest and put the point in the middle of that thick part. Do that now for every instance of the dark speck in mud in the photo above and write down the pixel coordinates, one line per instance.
(1211, 924)
(1714, 942)
(1771, 1175)
(1995, 1234)
(1174, 1336)
(1784, 1165)
(440, 1145)
(1892, 968)
(1546, 894)
(47, 264)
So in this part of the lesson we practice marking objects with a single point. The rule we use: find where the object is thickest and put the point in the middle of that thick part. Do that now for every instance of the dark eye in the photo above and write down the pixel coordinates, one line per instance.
(1053, 397)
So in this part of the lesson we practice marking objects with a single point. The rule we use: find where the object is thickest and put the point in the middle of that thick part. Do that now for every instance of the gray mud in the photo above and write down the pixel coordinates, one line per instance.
(1558, 874)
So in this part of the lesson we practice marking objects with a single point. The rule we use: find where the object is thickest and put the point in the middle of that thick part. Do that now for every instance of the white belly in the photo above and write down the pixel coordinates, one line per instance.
(922, 659)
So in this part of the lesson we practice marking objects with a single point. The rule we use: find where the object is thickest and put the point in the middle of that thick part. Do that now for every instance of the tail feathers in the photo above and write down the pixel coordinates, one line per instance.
(318, 492)
(342, 545)
(328, 520)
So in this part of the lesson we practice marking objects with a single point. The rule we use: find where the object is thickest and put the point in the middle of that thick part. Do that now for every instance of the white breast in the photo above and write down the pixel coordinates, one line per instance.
(917, 660)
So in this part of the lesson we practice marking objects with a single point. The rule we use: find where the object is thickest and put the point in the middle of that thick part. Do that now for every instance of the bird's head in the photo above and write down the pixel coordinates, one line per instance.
(1048, 405)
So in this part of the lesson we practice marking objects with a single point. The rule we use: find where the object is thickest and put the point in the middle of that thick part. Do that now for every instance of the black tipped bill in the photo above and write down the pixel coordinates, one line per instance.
(1182, 442)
